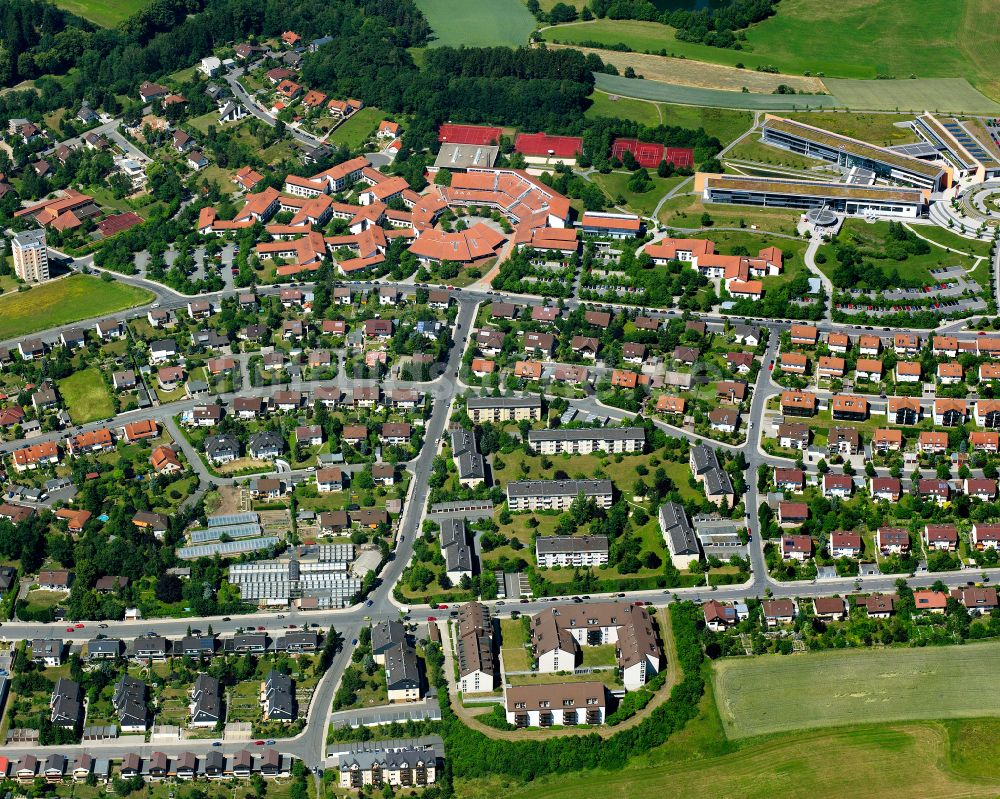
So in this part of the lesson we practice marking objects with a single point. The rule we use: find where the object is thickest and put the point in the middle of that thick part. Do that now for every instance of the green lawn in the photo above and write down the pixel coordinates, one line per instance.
(615, 184)
(86, 397)
(947, 238)
(763, 695)
(870, 238)
(102, 12)
(474, 23)
(60, 302)
(357, 128)
(641, 111)
(723, 123)
(881, 129)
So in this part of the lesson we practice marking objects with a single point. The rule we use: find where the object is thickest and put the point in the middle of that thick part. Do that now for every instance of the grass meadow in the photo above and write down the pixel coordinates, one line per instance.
(105, 13)
(765, 695)
(86, 396)
(478, 24)
(62, 301)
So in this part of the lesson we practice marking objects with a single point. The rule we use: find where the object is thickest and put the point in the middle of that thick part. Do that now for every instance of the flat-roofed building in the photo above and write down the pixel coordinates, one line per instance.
(805, 195)
(31, 255)
(848, 153)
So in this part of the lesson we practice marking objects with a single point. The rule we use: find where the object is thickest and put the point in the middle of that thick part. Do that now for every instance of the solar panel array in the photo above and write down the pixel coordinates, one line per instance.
(226, 548)
(203, 536)
(963, 137)
(230, 519)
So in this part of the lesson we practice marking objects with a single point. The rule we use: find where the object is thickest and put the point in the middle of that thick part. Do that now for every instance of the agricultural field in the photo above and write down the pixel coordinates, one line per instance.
(478, 24)
(861, 39)
(663, 92)
(86, 397)
(102, 12)
(60, 302)
(699, 75)
(930, 760)
(764, 695)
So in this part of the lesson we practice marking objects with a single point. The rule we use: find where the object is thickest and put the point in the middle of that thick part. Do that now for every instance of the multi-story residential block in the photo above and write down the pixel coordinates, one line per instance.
(556, 494)
(584, 441)
(569, 550)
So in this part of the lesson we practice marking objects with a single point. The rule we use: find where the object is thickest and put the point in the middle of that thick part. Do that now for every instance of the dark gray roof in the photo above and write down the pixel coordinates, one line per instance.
(555, 544)
(677, 531)
(531, 401)
(386, 633)
(401, 670)
(588, 434)
(558, 488)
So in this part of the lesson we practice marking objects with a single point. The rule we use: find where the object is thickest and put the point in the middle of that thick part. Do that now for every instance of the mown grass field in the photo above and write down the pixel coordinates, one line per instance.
(947, 238)
(478, 24)
(615, 185)
(86, 397)
(105, 13)
(357, 128)
(764, 695)
(60, 302)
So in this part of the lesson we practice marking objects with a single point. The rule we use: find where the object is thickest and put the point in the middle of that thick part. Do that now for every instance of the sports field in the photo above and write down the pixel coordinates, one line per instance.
(763, 695)
(723, 123)
(86, 396)
(478, 24)
(106, 13)
(60, 302)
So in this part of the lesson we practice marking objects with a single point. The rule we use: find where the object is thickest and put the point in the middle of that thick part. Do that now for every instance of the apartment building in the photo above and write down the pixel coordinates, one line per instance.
(504, 409)
(569, 550)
